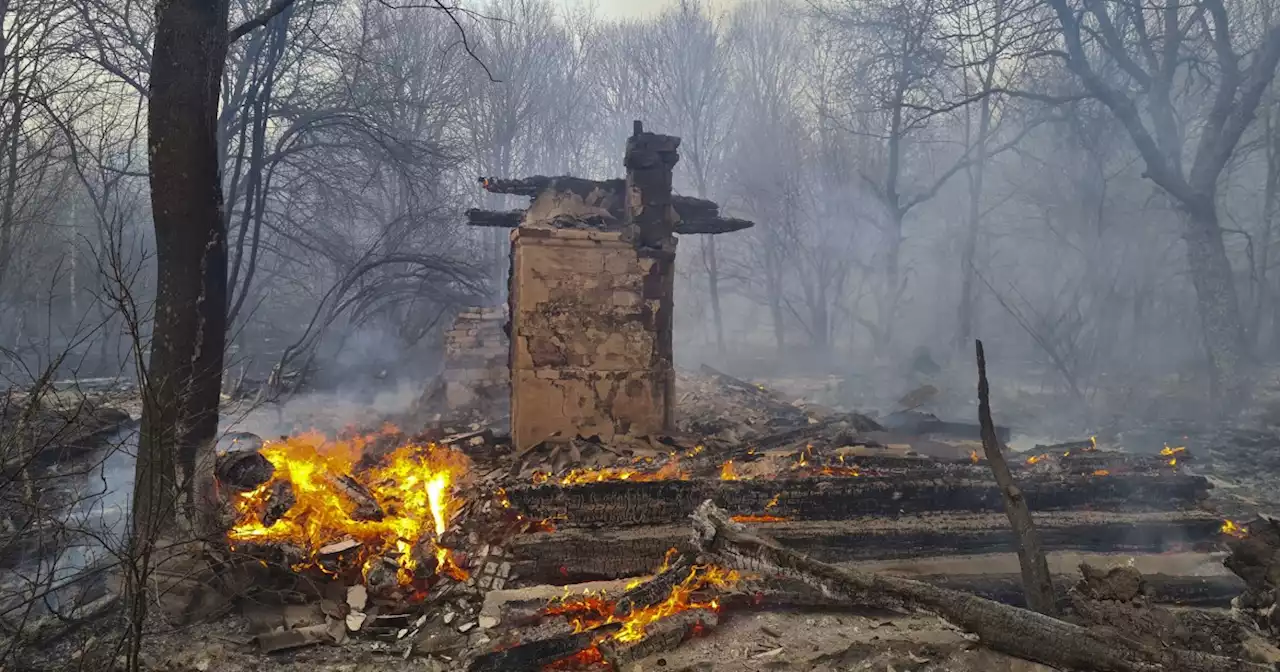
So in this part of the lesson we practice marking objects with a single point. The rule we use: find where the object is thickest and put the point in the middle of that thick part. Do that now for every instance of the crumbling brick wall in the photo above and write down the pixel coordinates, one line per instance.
(591, 335)
(476, 353)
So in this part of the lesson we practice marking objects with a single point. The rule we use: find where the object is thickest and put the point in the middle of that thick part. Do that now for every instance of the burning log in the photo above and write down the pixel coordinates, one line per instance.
(279, 499)
(367, 507)
(531, 656)
(1255, 557)
(242, 467)
(1018, 632)
(571, 555)
(662, 635)
(654, 590)
(629, 503)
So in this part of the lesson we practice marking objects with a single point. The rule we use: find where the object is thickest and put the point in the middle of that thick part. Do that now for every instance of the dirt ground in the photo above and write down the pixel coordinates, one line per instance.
(744, 642)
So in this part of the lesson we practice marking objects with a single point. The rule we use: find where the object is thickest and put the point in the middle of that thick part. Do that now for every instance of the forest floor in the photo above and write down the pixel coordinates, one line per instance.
(1241, 460)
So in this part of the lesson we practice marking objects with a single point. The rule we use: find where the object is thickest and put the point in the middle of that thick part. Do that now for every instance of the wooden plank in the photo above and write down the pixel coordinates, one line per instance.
(569, 555)
(614, 504)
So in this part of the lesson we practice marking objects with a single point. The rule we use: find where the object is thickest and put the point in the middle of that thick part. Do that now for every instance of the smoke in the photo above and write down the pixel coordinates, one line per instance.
(328, 412)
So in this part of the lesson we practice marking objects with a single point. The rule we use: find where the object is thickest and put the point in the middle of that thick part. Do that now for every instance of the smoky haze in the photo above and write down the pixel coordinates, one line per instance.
(921, 173)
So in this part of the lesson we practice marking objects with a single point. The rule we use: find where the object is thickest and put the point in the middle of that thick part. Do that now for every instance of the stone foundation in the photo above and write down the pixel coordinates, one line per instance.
(591, 334)
(476, 354)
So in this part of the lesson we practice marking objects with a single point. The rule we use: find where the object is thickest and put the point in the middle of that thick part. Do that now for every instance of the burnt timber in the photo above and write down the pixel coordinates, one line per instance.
(695, 215)
(575, 555)
(615, 504)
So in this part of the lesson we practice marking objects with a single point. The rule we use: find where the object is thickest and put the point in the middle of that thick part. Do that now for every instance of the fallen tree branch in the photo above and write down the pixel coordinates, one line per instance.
(1037, 583)
(1019, 632)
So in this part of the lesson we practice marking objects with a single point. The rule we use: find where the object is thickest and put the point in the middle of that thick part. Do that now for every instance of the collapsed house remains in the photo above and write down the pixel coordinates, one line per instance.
(475, 360)
(591, 295)
(468, 549)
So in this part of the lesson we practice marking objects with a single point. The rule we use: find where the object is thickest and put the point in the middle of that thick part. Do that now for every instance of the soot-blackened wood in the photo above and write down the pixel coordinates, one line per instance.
(654, 590)
(688, 225)
(243, 470)
(631, 503)
(576, 555)
(1019, 632)
(279, 499)
(501, 219)
(660, 636)
(532, 656)
(1036, 580)
(367, 508)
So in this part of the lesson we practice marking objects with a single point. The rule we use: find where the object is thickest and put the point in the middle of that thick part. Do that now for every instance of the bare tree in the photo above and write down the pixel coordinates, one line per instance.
(1162, 51)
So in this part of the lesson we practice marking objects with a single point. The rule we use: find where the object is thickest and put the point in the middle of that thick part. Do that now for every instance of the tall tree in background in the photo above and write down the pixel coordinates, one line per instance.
(1164, 50)
(182, 380)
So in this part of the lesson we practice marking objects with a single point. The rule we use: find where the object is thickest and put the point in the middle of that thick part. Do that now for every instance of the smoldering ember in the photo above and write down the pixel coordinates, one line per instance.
(701, 336)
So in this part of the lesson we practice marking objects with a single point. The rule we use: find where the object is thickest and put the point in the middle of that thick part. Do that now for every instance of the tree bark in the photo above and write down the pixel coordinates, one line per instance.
(1219, 305)
(182, 381)
(1036, 580)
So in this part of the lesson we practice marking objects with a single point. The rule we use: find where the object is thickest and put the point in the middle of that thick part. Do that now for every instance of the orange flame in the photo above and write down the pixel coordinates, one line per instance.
(1102, 472)
(592, 610)
(973, 456)
(413, 486)
(1172, 453)
(1229, 527)
(1037, 458)
(758, 519)
(727, 473)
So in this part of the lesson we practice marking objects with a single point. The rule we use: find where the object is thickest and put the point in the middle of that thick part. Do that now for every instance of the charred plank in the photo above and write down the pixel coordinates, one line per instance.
(629, 503)
(660, 636)
(1018, 632)
(533, 655)
(571, 556)
(502, 219)
(654, 590)
(689, 224)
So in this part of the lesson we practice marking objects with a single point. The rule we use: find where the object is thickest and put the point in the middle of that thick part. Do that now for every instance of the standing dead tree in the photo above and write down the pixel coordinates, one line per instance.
(1161, 50)
(1036, 581)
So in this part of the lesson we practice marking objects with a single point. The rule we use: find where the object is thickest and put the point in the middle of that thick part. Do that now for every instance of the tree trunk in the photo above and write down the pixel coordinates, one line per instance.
(977, 173)
(183, 378)
(1222, 328)
(713, 288)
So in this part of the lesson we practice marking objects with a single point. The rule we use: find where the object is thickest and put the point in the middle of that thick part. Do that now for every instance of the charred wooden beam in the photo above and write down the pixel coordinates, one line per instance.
(531, 656)
(630, 503)
(532, 186)
(654, 590)
(502, 219)
(571, 556)
(1018, 632)
(689, 224)
(660, 636)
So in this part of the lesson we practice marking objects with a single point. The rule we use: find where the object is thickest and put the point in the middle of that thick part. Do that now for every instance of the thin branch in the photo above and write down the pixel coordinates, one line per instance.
(258, 21)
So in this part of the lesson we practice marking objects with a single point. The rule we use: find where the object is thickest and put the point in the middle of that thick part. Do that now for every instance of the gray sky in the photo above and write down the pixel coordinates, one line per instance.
(636, 8)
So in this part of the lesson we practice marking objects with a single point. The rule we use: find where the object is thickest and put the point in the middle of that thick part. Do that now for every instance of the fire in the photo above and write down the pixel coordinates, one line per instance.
(1037, 458)
(672, 470)
(1229, 527)
(773, 502)
(413, 486)
(1102, 472)
(1172, 453)
(973, 456)
(727, 473)
(590, 610)
(759, 519)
